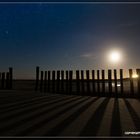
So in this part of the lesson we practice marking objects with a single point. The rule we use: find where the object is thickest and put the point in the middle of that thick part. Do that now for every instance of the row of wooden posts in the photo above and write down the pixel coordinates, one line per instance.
(6, 79)
(63, 82)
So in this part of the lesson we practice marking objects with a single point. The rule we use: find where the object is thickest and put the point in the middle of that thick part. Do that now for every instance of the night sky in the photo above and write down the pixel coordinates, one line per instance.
(68, 36)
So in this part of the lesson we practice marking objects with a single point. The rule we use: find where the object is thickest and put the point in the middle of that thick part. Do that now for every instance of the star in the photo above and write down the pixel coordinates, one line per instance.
(7, 32)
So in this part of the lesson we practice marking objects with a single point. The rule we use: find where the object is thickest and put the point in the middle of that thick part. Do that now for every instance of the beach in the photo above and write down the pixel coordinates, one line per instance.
(32, 113)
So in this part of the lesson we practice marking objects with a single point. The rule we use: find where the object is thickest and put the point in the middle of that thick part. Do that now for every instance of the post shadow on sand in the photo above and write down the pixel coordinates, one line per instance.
(29, 107)
(27, 119)
(29, 103)
(45, 121)
(93, 125)
(58, 129)
(20, 122)
(116, 129)
(135, 117)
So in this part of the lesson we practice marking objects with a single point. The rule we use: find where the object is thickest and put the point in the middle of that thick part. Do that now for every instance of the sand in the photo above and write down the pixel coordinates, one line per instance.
(25, 112)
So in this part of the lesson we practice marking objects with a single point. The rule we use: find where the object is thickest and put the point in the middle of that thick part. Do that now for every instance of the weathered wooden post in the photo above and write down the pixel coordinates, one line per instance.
(103, 82)
(98, 82)
(53, 81)
(0, 79)
(70, 81)
(138, 81)
(77, 82)
(49, 80)
(62, 81)
(88, 82)
(93, 82)
(131, 82)
(45, 82)
(115, 82)
(3, 80)
(58, 81)
(82, 82)
(7, 80)
(67, 82)
(37, 78)
(110, 82)
(11, 77)
(41, 82)
(121, 81)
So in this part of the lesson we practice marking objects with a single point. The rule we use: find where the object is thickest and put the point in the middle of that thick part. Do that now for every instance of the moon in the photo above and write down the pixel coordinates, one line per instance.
(114, 56)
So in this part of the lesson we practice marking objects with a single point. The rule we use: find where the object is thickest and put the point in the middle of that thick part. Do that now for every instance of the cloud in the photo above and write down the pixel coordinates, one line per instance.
(86, 55)
(92, 56)
(127, 25)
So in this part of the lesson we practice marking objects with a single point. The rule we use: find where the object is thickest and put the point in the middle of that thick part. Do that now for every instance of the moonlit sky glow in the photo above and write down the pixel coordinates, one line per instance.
(68, 36)
(115, 56)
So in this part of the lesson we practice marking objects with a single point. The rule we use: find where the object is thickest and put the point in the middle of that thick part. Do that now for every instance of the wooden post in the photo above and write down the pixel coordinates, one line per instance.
(11, 77)
(70, 81)
(62, 81)
(0, 79)
(110, 82)
(131, 81)
(3, 81)
(45, 82)
(138, 81)
(67, 82)
(77, 81)
(93, 82)
(115, 81)
(98, 82)
(7, 80)
(82, 82)
(88, 82)
(37, 78)
(41, 82)
(49, 79)
(58, 81)
(103, 82)
(121, 80)
(53, 81)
